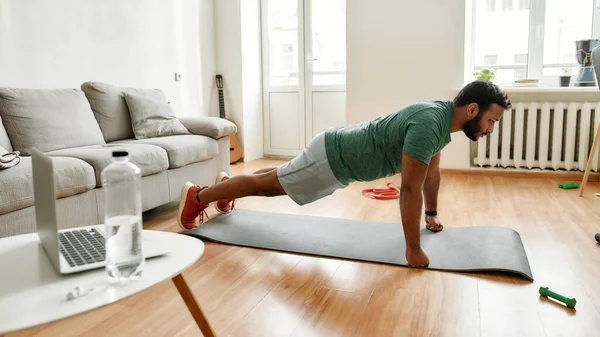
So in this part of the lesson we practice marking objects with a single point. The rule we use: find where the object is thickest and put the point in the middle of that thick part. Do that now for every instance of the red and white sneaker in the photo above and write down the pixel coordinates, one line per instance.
(223, 206)
(190, 208)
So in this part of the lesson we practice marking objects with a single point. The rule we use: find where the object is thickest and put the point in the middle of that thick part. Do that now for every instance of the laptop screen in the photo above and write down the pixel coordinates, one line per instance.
(45, 204)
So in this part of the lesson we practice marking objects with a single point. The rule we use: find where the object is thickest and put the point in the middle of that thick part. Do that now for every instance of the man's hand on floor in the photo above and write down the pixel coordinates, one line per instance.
(417, 257)
(433, 223)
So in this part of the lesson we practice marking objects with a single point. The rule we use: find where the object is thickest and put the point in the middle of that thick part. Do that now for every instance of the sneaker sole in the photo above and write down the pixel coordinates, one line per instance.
(218, 180)
(184, 191)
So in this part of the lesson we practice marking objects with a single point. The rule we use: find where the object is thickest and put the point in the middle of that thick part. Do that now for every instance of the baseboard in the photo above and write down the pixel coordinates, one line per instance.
(520, 173)
(498, 172)
(277, 157)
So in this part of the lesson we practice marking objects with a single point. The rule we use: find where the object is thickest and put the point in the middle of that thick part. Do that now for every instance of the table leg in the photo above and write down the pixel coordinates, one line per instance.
(588, 167)
(192, 304)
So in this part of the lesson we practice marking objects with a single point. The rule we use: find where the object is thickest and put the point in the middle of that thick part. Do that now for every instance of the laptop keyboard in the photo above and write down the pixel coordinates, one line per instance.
(82, 246)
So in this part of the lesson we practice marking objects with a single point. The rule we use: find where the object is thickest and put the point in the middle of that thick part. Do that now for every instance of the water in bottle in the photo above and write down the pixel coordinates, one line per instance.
(121, 182)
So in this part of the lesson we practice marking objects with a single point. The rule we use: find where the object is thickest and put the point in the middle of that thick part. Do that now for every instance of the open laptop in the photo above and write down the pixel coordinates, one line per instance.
(75, 249)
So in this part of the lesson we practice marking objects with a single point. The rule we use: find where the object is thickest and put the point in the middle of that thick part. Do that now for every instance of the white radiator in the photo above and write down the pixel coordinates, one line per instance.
(546, 135)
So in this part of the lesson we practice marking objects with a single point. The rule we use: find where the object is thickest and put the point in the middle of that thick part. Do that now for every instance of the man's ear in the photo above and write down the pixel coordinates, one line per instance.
(472, 110)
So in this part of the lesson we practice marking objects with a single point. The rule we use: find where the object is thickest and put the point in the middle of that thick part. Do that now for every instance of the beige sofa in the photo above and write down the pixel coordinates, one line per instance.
(79, 129)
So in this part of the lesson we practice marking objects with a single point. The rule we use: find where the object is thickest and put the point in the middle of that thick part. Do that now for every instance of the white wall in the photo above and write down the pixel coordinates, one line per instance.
(252, 79)
(208, 58)
(139, 43)
(596, 21)
(238, 50)
(400, 52)
(228, 47)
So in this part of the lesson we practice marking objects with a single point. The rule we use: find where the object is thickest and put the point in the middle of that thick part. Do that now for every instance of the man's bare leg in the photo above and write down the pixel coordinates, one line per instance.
(265, 170)
(195, 199)
(255, 184)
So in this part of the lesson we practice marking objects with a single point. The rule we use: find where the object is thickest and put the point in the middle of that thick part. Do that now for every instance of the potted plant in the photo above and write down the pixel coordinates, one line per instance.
(565, 79)
(485, 74)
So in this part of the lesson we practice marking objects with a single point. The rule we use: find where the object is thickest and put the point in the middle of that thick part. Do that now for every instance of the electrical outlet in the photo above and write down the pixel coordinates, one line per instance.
(177, 77)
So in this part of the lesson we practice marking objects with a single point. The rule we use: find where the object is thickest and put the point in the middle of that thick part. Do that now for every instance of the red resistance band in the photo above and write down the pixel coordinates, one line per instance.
(392, 192)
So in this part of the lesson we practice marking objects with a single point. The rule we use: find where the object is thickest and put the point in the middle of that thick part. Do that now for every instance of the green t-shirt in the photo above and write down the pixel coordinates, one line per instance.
(373, 150)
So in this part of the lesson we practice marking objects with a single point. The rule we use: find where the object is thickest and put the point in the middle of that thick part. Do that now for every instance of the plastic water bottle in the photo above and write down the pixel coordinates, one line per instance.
(121, 182)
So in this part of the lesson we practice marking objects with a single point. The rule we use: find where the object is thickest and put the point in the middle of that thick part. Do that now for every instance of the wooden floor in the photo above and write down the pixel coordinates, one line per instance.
(251, 292)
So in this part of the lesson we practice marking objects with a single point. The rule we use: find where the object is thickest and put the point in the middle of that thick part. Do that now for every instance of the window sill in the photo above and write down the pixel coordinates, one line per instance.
(540, 89)
(543, 89)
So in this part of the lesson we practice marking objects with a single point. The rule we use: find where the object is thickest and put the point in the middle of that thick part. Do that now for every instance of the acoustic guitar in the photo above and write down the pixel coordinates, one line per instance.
(235, 148)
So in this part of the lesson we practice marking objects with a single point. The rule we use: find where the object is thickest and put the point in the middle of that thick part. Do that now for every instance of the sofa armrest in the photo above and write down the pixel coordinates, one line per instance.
(213, 127)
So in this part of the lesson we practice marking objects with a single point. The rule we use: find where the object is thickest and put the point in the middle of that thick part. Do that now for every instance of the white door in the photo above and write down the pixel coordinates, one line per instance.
(304, 65)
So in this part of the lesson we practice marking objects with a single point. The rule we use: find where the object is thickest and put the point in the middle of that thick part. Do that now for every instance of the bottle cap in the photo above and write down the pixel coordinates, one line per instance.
(119, 153)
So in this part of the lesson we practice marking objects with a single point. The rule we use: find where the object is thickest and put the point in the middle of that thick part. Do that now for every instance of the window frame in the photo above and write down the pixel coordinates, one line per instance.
(535, 56)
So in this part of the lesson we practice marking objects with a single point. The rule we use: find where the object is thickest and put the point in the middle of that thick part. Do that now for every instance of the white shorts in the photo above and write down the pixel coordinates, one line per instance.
(308, 177)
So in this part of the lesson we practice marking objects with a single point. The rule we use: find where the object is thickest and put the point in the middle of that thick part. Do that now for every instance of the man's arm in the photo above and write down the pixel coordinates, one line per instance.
(411, 204)
(431, 186)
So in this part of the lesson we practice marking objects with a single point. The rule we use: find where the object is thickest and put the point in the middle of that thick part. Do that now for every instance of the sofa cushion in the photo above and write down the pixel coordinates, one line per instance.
(213, 127)
(183, 149)
(152, 118)
(71, 177)
(109, 106)
(4, 140)
(150, 159)
(49, 119)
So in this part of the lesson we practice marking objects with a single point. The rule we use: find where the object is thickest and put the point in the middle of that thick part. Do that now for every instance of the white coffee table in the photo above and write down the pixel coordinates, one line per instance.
(33, 293)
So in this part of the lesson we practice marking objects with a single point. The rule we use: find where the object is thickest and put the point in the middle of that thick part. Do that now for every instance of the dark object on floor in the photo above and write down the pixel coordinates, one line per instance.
(465, 249)
(598, 237)
(568, 186)
(569, 302)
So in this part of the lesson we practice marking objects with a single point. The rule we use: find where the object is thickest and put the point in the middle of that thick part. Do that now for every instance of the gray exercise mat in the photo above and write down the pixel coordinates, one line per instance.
(467, 249)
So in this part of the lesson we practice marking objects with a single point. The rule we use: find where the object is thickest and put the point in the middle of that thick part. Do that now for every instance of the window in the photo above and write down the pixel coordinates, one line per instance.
(490, 60)
(283, 42)
(286, 55)
(521, 73)
(523, 5)
(566, 22)
(328, 37)
(508, 36)
(521, 59)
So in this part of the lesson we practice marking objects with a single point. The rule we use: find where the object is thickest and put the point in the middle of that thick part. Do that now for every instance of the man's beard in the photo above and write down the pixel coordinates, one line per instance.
(472, 128)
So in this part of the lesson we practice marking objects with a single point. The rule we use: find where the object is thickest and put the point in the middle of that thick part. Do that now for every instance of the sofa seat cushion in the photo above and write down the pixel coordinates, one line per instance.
(150, 159)
(71, 176)
(181, 149)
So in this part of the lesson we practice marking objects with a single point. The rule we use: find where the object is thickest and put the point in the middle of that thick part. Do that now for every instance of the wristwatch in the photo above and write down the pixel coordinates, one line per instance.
(430, 213)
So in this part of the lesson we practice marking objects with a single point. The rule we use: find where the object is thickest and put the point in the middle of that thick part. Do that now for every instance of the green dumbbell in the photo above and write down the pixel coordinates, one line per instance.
(568, 186)
(570, 302)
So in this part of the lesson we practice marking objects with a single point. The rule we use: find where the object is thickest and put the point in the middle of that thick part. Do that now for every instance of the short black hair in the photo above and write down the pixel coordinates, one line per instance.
(484, 93)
